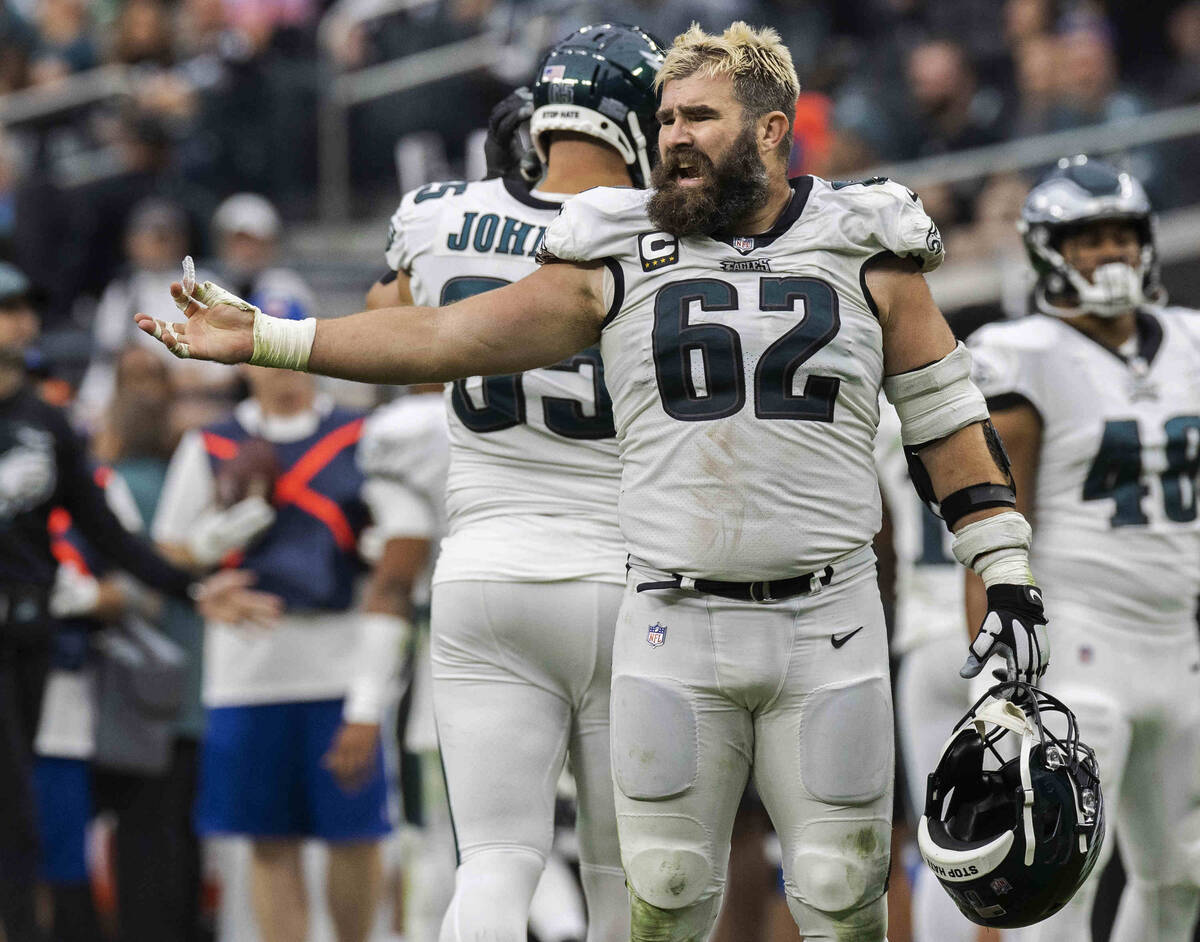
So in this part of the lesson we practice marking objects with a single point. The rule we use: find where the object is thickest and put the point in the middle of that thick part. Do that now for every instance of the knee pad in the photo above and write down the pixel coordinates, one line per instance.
(846, 742)
(655, 740)
(667, 859)
(840, 865)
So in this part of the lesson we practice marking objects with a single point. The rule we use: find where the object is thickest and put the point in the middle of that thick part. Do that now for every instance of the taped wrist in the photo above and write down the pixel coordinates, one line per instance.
(382, 638)
(997, 548)
(937, 400)
(284, 344)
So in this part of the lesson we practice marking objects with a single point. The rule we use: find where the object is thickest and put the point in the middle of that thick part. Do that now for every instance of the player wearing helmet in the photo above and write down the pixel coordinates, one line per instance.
(529, 579)
(1097, 397)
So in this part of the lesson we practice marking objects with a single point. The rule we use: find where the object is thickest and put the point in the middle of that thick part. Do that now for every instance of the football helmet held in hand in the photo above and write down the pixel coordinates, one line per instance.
(1014, 814)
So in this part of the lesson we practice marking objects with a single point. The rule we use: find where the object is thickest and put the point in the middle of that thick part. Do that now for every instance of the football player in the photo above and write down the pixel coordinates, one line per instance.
(1097, 397)
(529, 579)
(747, 324)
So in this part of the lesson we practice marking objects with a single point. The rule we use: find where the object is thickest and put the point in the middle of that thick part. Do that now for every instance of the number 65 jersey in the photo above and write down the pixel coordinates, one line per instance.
(1116, 527)
(745, 375)
(531, 494)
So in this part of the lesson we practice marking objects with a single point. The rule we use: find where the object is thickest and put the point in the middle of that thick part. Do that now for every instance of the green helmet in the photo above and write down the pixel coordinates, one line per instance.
(600, 81)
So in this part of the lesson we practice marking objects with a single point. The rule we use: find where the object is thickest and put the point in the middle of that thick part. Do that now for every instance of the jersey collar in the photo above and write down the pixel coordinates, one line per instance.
(1149, 333)
(801, 188)
(518, 191)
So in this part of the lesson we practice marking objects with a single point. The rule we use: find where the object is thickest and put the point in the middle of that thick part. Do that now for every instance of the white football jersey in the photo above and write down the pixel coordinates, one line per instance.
(929, 581)
(745, 375)
(1115, 522)
(534, 473)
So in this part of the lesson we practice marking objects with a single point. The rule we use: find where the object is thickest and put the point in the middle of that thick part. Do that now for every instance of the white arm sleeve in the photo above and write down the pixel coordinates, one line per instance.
(188, 492)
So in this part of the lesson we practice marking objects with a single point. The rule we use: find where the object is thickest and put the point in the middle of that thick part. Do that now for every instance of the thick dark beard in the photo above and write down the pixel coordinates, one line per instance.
(732, 190)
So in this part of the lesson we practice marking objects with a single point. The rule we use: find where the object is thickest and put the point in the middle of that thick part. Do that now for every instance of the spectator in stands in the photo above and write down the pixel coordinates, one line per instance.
(1181, 84)
(246, 229)
(1089, 88)
(952, 111)
(63, 44)
(1036, 67)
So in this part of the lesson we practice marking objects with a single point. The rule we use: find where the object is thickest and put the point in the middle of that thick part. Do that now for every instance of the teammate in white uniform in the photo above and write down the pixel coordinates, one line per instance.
(1097, 397)
(744, 372)
(927, 633)
(528, 583)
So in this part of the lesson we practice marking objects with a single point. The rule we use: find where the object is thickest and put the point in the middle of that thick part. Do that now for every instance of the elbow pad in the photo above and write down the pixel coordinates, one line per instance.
(937, 400)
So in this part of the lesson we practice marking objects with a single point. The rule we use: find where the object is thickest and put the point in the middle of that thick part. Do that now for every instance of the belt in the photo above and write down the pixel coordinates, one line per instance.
(775, 590)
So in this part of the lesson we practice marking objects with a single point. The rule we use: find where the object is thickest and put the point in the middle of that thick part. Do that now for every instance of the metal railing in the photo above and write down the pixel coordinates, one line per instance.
(71, 92)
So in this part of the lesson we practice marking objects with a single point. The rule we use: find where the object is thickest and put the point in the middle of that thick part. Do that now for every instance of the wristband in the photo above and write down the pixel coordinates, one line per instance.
(281, 343)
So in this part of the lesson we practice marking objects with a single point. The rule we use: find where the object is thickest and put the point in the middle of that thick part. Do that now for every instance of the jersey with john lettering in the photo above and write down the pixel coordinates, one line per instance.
(1115, 521)
(532, 488)
(745, 375)
(929, 581)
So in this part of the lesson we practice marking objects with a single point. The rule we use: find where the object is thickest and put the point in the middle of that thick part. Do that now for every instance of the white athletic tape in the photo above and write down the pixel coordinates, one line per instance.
(282, 343)
(997, 548)
(382, 638)
(936, 400)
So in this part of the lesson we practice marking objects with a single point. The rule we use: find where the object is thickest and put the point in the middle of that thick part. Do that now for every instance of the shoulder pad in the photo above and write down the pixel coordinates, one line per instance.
(1005, 356)
(880, 215)
(598, 223)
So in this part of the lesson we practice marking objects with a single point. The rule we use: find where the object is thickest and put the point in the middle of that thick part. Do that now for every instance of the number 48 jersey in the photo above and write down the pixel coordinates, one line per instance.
(1116, 527)
(531, 493)
(745, 375)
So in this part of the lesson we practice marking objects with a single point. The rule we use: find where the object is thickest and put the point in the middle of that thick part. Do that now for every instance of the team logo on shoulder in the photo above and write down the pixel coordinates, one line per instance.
(656, 635)
(933, 239)
(657, 250)
(747, 264)
(743, 244)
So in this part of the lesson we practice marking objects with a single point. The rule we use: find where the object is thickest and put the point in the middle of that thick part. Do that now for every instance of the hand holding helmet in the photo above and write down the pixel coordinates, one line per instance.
(1014, 628)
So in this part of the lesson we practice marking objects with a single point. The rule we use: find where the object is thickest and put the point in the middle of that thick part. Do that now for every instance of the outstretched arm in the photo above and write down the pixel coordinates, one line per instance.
(540, 319)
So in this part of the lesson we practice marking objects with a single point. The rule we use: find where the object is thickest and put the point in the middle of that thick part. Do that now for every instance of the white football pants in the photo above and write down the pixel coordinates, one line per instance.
(930, 699)
(1137, 700)
(521, 676)
(706, 690)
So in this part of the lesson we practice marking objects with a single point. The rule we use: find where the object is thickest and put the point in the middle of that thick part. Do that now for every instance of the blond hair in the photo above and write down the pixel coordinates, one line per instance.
(757, 61)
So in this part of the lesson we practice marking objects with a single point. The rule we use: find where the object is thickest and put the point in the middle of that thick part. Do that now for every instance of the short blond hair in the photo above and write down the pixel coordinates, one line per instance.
(764, 78)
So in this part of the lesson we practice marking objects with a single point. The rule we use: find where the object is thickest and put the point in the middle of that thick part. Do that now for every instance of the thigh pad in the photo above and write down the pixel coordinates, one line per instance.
(654, 738)
(846, 742)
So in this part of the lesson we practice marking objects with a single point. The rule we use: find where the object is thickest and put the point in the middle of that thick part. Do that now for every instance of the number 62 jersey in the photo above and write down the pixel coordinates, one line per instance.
(745, 374)
(1116, 527)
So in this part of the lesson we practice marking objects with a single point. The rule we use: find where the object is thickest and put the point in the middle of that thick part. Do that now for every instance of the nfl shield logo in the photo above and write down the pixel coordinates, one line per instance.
(656, 635)
(743, 244)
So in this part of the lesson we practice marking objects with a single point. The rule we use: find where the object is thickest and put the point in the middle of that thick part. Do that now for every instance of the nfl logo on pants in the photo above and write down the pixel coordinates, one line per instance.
(656, 635)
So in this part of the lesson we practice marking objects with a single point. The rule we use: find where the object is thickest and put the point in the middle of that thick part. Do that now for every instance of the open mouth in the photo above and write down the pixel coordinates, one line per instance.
(688, 174)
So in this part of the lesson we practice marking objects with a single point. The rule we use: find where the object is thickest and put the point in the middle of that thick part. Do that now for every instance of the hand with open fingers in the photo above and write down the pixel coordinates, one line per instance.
(226, 596)
(1015, 628)
(351, 757)
(219, 326)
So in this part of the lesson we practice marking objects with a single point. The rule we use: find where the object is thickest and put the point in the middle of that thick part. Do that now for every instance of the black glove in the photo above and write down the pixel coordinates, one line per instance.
(1014, 627)
(506, 145)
